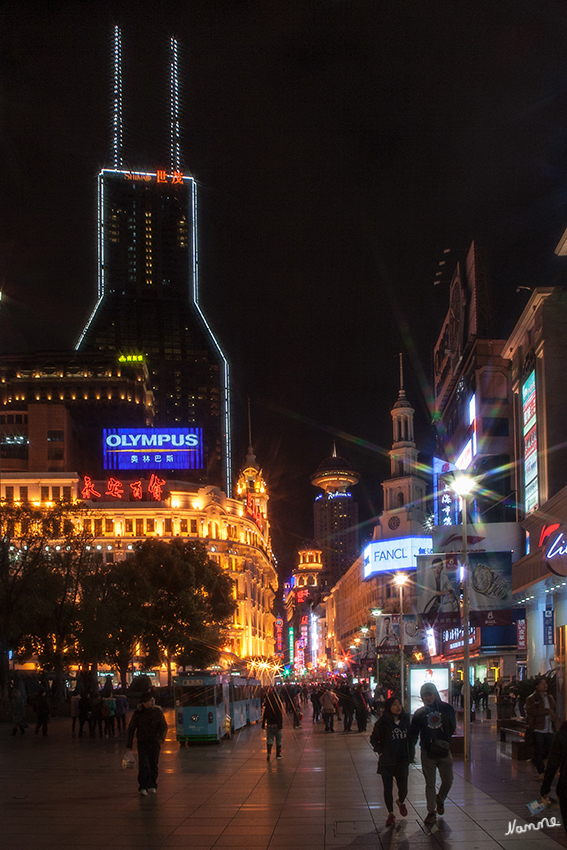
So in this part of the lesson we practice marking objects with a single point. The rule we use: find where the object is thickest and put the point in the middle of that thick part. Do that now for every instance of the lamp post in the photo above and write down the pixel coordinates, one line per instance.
(400, 580)
(463, 485)
(376, 612)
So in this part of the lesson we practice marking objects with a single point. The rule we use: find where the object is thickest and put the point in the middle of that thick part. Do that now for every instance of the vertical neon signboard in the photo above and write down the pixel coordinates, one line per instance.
(529, 418)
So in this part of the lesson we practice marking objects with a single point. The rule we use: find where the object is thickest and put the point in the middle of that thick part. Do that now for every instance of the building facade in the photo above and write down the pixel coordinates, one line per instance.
(148, 304)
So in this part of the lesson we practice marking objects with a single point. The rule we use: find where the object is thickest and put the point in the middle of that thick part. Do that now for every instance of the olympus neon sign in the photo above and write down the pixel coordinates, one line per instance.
(153, 448)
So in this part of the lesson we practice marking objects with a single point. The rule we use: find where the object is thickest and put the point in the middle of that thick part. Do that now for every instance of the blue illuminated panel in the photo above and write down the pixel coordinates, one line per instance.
(152, 448)
(383, 556)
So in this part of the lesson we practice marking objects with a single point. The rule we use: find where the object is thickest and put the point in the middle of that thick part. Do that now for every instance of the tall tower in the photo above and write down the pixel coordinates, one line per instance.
(404, 491)
(335, 515)
(148, 290)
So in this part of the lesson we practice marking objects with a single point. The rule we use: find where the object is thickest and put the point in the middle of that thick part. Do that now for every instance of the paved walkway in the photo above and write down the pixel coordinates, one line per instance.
(68, 792)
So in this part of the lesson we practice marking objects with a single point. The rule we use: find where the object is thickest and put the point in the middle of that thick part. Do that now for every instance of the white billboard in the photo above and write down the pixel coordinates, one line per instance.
(383, 556)
(481, 537)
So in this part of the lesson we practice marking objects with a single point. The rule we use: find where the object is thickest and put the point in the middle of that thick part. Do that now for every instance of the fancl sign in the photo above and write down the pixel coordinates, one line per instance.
(152, 448)
(390, 555)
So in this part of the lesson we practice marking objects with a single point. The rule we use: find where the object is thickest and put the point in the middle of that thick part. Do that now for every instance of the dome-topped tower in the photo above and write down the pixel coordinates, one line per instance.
(335, 515)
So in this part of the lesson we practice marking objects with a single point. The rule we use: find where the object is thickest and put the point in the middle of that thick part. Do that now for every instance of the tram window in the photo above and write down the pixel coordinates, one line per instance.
(200, 695)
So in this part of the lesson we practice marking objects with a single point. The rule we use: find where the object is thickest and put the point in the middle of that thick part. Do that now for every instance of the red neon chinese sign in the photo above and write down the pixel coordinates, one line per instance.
(89, 489)
(154, 487)
(136, 488)
(114, 488)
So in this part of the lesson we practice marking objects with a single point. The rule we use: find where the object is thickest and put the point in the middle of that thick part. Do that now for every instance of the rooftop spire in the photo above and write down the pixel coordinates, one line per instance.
(175, 145)
(117, 122)
(401, 371)
(250, 457)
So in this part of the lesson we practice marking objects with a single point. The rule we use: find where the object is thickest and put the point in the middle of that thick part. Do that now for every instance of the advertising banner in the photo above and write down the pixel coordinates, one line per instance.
(152, 448)
(438, 578)
(421, 675)
(388, 631)
(481, 537)
(490, 585)
(522, 632)
(548, 628)
(397, 554)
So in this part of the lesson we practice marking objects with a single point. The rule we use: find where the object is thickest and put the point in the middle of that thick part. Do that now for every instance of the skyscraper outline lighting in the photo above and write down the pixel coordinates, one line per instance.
(117, 122)
(194, 290)
(174, 106)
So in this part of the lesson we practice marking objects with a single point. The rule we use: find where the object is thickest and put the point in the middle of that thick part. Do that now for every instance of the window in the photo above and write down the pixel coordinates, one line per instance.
(23, 494)
(98, 527)
(168, 525)
(55, 436)
(183, 526)
(55, 494)
(139, 528)
(9, 494)
(67, 494)
(108, 526)
(44, 494)
(150, 525)
(55, 453)
(129, 526)
(193, 526)
(87, 526)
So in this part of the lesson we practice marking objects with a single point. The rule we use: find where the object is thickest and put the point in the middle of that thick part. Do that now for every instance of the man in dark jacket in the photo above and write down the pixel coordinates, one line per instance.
(150, 726)
(558, 760)
(272, 721)
(540, 708)
(434, 724)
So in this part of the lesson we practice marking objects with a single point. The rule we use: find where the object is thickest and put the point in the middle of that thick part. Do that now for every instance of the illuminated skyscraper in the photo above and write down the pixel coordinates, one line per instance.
(148, 291)
(335, 515)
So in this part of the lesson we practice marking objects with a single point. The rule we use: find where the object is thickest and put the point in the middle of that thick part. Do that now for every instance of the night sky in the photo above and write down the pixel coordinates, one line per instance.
(340, 147)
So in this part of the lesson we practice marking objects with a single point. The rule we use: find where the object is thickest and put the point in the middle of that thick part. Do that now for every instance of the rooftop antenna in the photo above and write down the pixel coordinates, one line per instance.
(175, 144)
(117, 122)
(249, 424)
(401, 372)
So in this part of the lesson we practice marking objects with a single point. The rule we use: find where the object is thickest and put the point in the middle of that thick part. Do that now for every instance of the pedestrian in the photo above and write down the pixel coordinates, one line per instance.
(85, 714)
(42, 713)
(346, 705)
(108, 711)
(18, 711)
(75, 700)
(121, 710)
(485, 693)
(329, 705)
(150, 727)
(97, 715)
(540, 709)
(360, 708)
(434, 724)
(558, 760)
(272, 722)
(390, 739)
(316, 703)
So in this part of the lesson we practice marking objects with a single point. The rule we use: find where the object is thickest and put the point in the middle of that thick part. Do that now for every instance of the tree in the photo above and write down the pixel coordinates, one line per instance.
(44, 555)
(191, 602)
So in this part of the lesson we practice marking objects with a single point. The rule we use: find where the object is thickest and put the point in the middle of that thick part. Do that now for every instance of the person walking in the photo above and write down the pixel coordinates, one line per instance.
(121, 710)
(85, 714)
(557, 761)
(346, 705)
(42, 713)
(390, 739)
(272, 722)
(360, 708)
(150, 727)
(75, 700)
(18, 711)
(434, 724)
(540, 709)
(329, 705)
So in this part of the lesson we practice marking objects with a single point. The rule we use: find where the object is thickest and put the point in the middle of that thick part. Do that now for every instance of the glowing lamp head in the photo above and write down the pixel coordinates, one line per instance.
(463, 485)
(375, 612)
(400, 579)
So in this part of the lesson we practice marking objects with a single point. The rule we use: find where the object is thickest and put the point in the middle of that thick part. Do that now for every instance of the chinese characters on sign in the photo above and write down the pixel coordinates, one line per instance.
(152, 448)
(522, 633)
(115, 488)
(548, 635)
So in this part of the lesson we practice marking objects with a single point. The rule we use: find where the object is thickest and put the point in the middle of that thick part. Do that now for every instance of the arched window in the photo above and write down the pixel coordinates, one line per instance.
(400, 500)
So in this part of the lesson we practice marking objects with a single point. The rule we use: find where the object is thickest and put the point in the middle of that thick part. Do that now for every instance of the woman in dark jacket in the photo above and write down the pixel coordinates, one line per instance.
(390, 740)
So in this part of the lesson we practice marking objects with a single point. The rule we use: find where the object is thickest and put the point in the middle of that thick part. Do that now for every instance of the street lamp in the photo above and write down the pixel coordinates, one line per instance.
(400, 580)
(376, 612)
(463, 485)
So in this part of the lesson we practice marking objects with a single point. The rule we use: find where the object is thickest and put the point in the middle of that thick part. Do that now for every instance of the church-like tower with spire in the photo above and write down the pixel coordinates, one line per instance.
(405, 491)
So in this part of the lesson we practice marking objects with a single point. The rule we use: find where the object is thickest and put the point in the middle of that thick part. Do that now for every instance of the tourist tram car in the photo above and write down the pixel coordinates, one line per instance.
(210, 706)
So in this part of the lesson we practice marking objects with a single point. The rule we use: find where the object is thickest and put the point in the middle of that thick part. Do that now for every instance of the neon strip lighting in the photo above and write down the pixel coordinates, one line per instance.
(174, 106)
(117, 123)
(226, 368)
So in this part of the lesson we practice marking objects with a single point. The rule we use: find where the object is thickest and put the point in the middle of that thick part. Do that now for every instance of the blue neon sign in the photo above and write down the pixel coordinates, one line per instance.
(152, 448)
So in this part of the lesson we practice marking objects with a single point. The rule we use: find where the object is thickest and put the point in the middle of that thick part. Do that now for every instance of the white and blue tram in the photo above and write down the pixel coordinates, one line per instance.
(210, 706)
